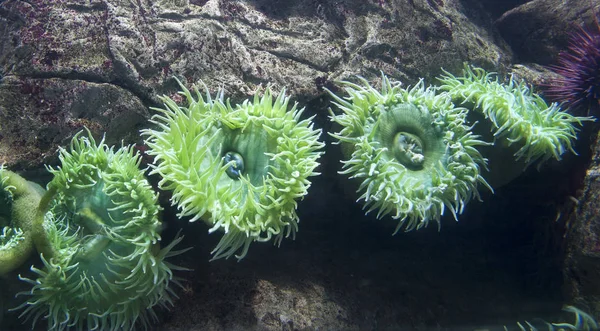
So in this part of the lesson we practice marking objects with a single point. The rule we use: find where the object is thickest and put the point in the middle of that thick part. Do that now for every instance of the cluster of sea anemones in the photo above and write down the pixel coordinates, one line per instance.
(97, 227)
(414, 152)
(243, 168)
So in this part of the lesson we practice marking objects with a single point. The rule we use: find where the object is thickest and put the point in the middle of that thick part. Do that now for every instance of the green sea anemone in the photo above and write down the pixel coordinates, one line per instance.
(582, 322)
(103, 268)
(18, 205)
(240, 169)
(518, 116)
(410, 149)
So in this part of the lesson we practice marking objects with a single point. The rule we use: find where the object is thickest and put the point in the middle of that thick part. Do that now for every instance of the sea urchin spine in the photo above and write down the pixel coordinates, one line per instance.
(578, 84)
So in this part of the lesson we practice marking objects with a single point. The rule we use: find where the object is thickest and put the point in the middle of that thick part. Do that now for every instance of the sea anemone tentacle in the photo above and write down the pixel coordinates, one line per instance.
(517, 114)
(239, 168)
(410, 149)
(103, 268)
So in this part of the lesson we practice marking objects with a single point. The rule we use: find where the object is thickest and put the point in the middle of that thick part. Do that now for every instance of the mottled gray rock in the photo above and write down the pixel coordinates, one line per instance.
(497, 8)
(70, 63)
(38, 113)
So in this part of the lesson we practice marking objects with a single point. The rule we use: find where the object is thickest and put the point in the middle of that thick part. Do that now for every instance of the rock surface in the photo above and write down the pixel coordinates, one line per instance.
(67, 64)
(539, 29)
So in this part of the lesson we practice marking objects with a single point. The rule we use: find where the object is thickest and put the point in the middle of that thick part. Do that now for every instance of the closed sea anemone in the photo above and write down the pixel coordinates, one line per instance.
(410, 150)
(103, 268)
(518, 116)
(240, 169)
(18, 205)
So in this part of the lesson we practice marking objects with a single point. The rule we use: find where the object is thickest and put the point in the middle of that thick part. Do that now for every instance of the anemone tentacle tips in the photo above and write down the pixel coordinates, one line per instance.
(410, 150)
(103, 268)
(241, 168)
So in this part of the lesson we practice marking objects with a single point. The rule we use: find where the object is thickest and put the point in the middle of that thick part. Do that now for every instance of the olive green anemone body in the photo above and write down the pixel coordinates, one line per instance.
(410, 149)
(518, 116)
(18, 205)
(240, 169)
(103, 268)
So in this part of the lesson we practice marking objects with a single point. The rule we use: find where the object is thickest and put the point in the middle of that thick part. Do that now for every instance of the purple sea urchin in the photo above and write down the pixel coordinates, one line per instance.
(579, 70)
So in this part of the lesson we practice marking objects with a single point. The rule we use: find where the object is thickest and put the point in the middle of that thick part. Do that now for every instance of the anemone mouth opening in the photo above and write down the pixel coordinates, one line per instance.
(408, 149)
(407, 132)
(236, 169)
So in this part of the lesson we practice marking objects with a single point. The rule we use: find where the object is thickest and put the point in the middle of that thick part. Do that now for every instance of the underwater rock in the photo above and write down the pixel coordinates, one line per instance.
(39, 114)
(132, 49)
(538, 30)
(582, 262)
